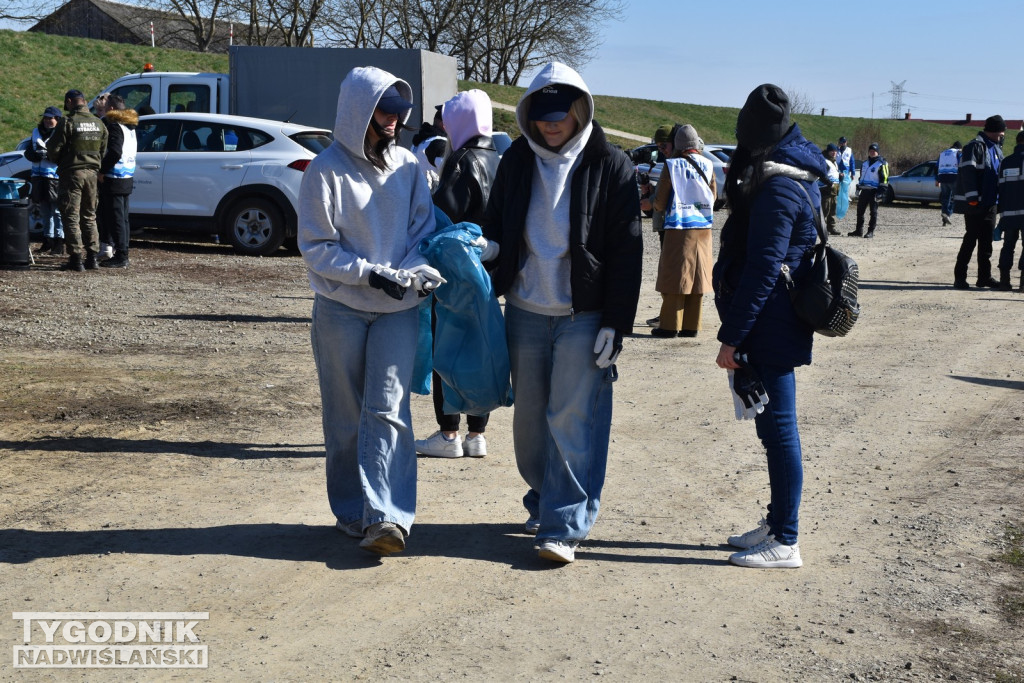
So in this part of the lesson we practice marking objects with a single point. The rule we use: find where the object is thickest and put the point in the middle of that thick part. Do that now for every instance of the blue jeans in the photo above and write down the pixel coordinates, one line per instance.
(53, 226)
(946, 197)
(364, 361)
(777, 429)
(562, 418)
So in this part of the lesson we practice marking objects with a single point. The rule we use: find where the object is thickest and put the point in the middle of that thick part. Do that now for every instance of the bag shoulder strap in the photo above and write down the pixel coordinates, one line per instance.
(699, 169)
(819, 220)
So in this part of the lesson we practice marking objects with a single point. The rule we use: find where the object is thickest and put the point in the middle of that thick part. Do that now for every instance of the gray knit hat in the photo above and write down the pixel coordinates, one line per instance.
(687, 138)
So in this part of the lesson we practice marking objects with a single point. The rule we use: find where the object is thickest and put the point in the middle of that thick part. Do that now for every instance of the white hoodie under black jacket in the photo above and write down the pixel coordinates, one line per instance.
(353, 216)
(568, 222)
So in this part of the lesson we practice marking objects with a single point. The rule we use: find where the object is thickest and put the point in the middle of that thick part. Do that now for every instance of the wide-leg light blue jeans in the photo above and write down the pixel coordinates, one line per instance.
(364, 361)
(562, 418)
(777, 429)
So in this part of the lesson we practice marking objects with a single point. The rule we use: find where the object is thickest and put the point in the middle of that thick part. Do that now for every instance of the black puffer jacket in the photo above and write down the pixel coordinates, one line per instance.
(466, 180)
(605, 246)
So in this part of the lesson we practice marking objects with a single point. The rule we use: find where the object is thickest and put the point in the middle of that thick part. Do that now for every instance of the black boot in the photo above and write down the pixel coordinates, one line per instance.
(90, 261)
(57, 247)
(45, 246)
(989, 282)
(1004, 280)
(74, 264)
(855, 233)
(118, 260)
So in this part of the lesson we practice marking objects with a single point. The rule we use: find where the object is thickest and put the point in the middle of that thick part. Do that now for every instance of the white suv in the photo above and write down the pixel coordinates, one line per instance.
(230, 175)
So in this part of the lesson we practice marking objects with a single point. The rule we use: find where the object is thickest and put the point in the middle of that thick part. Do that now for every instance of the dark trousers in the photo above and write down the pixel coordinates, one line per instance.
(978, 229)
(450, 423)
(114, 224)
(77, 198)
(1010, 235)
(868, 198)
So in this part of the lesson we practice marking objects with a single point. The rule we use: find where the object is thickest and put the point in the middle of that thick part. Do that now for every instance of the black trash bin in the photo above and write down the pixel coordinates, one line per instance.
(14, 244)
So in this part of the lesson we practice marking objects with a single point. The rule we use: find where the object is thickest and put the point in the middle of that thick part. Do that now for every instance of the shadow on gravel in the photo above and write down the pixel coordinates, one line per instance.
(991, 382)
(203, 449)
(230, 318)
(896, 285)
(499, 543)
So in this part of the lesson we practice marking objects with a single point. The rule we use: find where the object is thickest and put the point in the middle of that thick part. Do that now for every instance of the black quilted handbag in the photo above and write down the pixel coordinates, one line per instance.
(826, 299)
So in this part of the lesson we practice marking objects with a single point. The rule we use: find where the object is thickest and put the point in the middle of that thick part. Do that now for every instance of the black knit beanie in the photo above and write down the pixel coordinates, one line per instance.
(995, 124)
(764, 118)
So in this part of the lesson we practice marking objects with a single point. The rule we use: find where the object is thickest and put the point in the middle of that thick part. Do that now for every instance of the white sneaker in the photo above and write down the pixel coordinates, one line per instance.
(532, 526)
(752, 537)
(474, 446)
(440, 446)
(559, 551)
(768, 554)
(106, 250)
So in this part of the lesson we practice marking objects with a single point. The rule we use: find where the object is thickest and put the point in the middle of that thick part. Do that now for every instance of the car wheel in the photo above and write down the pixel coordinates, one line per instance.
(255, 226)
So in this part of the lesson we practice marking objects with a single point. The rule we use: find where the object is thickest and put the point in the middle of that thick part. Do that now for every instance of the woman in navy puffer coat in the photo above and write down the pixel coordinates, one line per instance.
(772, 223)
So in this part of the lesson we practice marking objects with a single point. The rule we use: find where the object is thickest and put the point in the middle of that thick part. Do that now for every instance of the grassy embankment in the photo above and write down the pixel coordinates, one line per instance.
(38, 69)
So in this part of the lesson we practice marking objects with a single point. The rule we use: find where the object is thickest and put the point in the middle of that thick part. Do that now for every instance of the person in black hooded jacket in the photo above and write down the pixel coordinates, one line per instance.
(563, 238)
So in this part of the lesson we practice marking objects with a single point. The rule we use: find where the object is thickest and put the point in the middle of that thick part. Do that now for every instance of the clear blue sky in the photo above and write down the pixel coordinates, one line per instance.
(836, 54)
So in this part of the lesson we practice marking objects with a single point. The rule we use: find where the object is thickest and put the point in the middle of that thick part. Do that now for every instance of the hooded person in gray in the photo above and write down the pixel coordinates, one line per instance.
(364, 206)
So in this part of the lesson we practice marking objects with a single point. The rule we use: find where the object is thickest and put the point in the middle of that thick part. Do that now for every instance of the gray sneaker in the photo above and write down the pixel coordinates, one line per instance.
(383, 538)
(353, 529)
(752, 537)
(532, 526)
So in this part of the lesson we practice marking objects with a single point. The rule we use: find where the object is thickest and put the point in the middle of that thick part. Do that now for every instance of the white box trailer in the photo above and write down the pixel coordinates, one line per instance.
(298, 84)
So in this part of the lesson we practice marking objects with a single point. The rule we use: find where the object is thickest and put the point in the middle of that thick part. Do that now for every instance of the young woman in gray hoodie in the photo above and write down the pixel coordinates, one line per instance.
(364, 206)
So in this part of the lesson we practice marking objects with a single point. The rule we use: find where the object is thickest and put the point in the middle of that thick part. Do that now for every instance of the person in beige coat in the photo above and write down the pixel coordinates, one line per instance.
(686, 193)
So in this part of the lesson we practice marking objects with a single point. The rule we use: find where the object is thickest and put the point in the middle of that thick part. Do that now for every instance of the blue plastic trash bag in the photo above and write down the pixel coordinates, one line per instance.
(423, 367)
(997, 232)
(843, 200)
(470, 351)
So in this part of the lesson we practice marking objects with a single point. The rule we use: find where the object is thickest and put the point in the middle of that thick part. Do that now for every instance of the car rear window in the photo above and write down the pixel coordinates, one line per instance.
(315, 141)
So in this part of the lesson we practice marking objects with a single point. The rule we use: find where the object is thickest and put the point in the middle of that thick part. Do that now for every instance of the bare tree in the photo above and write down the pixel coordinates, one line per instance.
(289, 23)
(799, 101)
(494, 41)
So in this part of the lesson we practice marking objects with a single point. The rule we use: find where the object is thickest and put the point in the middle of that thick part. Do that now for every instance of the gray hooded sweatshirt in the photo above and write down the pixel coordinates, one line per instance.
(353, 216)
(542, 285)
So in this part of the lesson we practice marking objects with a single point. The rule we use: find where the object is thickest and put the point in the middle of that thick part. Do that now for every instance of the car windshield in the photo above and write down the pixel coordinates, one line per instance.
(315, 141)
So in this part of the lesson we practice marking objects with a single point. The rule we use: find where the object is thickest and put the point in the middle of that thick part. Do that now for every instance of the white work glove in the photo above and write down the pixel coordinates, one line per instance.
(748, 394)
(425, 279)
(392, 282)
(489, 249)
(607, 346)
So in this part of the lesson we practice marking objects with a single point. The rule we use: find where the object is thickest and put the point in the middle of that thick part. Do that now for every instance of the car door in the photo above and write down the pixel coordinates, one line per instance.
(918, 183)
(154, 136)
(206, 165)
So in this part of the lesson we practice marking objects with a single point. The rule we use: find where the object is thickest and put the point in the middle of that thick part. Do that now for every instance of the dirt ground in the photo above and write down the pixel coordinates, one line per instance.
(161, 451)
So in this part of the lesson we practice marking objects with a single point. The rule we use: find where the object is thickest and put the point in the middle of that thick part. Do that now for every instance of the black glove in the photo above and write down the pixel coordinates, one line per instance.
(747, 385)
(386, 280)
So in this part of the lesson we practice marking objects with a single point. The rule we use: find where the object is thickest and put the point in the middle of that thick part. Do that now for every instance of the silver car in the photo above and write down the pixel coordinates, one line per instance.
(917, 185)
(719, 156)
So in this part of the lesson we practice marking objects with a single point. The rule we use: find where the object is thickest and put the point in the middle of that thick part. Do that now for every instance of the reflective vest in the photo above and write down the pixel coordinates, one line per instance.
(692, 199)
(125, 166)
(949, 161)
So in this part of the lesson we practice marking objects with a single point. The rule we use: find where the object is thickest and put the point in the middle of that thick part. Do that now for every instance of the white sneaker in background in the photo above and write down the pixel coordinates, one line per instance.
(440, 446)
(752, 537)
(769, 554)
(532, 526)
(474, 446)
(106, 250)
